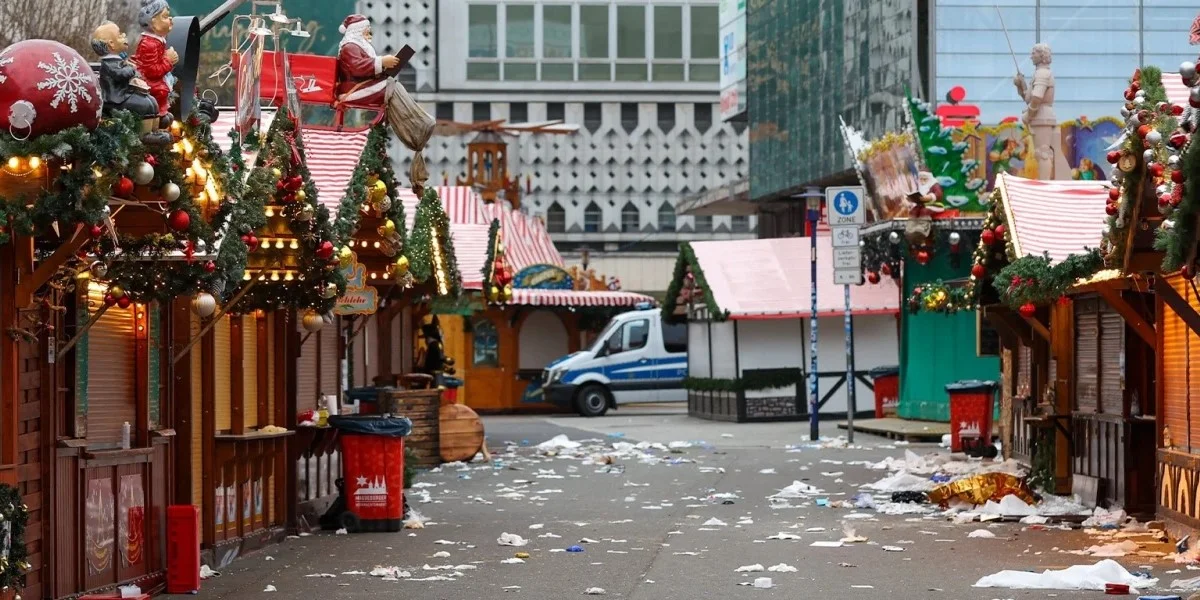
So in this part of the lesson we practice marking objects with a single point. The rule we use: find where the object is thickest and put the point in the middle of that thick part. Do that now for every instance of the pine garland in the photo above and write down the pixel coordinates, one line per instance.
(943, 298)
(752, 380)
(373, 162)
(16, 514)
(686, 265)
(493, 232)
(431, 220)
(1034, 280)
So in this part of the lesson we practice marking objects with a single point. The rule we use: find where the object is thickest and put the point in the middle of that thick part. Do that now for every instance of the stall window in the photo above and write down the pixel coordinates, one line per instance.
(675, 337)
(109, 397)
(631, 336)
(485, 344)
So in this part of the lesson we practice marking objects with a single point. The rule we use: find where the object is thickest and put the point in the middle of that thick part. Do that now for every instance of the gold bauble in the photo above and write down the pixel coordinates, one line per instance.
(377, 192)
(301, 196)
(116, 291)
(493, 292)
(400, 267)
(345, 256)
(508, 293)
(276, 173)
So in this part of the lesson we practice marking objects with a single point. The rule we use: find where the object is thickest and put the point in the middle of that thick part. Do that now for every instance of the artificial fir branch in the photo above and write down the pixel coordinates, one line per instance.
(685, 264)
(431, 220)
(1034, 280)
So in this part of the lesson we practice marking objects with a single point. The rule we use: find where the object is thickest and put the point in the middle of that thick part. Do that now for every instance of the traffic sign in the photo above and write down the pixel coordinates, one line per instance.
(846, 205)
(847, 276)
(845, 236)
(847, 258)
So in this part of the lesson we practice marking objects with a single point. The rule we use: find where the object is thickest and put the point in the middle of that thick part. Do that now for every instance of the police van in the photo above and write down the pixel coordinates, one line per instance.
(637, 358)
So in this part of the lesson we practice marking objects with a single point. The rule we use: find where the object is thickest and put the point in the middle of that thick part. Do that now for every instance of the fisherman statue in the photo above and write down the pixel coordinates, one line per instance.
(1039, 116)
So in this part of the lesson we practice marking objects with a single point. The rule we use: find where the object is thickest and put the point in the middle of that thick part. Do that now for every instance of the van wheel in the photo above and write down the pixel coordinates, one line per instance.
(593, 400)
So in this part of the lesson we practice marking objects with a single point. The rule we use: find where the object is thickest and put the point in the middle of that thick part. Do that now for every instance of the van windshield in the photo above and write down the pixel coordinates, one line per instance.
(603, 337)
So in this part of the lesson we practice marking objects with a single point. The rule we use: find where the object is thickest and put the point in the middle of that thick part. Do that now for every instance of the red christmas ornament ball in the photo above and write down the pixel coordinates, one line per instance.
(1177, 109)
(151, 160)
(1177, 176)
(977, 271)
(872, 277)
(1113, 156)
(123, 188)
(251, 242)
(1028, 310)
(1111, 209)
(47, 87)
(1114, 194)
(124, 302)
(1178, 139)
(1163, 200)
(923, 256)
(95, 230)
(1156, 169)
(180, 220)
(325, 250)
(987, 236)
(1144, 130)
(210, 267)
(1129, 94)
(886, 269)
(109, 300)
(1000, 229)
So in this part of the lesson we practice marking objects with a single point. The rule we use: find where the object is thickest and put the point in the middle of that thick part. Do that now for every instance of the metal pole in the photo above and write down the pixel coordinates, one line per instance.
(814, 429)
(851, 383)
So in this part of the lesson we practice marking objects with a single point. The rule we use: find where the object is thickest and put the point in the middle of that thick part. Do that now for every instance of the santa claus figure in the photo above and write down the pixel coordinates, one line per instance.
(154, 58)
(927, 198)
(364, 78)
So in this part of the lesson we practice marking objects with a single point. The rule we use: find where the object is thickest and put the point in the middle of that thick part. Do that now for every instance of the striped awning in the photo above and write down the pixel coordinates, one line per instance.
(526, 240)
(1058, 218)
(1177, 92)
(470, 250)
(574, 298)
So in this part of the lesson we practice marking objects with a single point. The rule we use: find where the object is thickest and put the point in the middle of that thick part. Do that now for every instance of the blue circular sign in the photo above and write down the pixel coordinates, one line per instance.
(845, 203)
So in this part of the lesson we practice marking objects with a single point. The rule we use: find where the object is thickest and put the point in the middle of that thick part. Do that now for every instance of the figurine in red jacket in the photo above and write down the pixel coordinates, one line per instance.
(154, 58)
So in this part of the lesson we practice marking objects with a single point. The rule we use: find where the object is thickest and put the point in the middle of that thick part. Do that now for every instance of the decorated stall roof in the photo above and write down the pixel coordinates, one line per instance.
(1052, 218)
(770, 279)
(526, 240)
(471, 249)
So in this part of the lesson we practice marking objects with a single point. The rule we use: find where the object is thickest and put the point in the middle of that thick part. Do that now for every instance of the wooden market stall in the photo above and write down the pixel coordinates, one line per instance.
(747, 303)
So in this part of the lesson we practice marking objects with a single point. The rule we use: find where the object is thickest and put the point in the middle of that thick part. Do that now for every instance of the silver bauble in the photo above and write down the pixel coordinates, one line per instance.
(1148, 155)
(204, 305)
(312, 322)
(1194, 96)
(1133, 120)
(170, 192)
(955, 237)
(330, 290)
(1125, 112)
(143, 173)
(894, 237)
(1173, 161)
(1154, 137)
(1162, 189)
(1187, 70)
(1168, 224)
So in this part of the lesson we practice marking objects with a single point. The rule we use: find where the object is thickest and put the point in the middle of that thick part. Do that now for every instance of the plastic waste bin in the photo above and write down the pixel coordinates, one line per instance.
(371, 490)
(887, 390)
(971, 407)
(450, 391)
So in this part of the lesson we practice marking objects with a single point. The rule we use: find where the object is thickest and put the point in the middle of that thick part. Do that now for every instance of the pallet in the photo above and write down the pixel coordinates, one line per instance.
(901, 429)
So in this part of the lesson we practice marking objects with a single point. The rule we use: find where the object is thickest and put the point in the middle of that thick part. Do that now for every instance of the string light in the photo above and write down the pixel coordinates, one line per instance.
(295, 245)
(438, 264)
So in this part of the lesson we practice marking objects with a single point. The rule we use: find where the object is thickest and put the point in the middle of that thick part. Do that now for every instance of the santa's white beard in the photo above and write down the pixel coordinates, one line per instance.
(356, 38)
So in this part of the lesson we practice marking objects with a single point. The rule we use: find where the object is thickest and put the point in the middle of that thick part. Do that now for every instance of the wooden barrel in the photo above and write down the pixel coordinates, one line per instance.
(421, 407)
(460, 431)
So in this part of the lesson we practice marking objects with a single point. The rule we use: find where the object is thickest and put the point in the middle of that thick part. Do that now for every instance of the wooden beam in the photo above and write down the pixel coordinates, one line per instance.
(1132, 317)
(1177, 303)
(79, 334)
(1038, 327)
(1003, 321)
(50, 266)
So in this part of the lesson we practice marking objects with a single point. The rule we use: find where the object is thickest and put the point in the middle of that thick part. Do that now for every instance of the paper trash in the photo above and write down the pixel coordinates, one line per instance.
(511, 539)
(782, 568)
(595, 591)
(270, 588)
(558, 442)
(756, 568)
(1079, 577)
(982, 533)
(798, 489)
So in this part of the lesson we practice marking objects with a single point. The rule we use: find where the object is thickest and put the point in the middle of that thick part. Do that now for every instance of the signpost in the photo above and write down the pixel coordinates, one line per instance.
(846, 215)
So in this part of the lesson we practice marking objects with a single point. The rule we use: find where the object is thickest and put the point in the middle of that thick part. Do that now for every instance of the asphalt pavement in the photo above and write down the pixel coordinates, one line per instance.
(645, 526)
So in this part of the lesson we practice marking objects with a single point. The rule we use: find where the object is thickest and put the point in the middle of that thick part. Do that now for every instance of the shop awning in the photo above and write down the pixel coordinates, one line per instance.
(577, 298)
(526, 240)
(1177, 92)
(1058, 218)
(470, 250)
(771, 279)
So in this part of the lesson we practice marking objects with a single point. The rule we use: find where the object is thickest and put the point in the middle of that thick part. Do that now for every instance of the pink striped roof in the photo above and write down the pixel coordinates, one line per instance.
(771, 279)
(1177, 92)
(470, 251)
(526, 241)
(576, 298)
(1060, 218)
(461, 203)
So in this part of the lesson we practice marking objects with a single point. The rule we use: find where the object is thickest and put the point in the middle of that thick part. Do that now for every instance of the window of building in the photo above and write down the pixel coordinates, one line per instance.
(631, 43)
(594, 64)
(631, 219)
(705, 44)
(481, 111)
(556, 219)
(482, 42)
(591, 218)
(556, 111)
(666, 116)
(704, 224)
(704, 118)
(666, 218)
(485, 344)
(629, 116)
(668, 43)
(518, 112)
(557, 63)
(444, 111)
(593, 116)
(740, 223)
(519, 60)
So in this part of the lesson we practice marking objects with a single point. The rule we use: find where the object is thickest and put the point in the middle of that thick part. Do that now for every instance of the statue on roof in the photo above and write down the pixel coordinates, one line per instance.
(154, 58)
(1039, 116)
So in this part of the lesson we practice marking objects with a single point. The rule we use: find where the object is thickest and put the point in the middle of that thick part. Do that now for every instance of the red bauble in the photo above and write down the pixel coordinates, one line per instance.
(1177, 176)
(1016, 281)
(1177, 109)
(1111, 209)
(123, 188)
(1144, 130)
(210, 267)
(324, 250)
(1114, 194)
(95, 230)
(885, 268)
(923, 256)
(1157, 169)
(109, 300)
(251, 242)
(151, 160)
(1163, 200)
(180, 220)
(1178, 139)
(47, 87)
(1113, 156)
(295, 183)
(988, 237)
(1028, 310)
(1129, 94)
(1000, 229)
(1134, 86)
(872, 276)
(978, 271)
(124, 302)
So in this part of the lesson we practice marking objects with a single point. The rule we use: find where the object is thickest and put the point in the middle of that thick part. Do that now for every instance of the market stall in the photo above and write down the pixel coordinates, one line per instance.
(746, 304)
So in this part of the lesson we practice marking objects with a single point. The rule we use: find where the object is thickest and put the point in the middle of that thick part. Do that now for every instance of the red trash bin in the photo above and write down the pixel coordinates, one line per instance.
(372, 471)
(971, 408)
(887, 390)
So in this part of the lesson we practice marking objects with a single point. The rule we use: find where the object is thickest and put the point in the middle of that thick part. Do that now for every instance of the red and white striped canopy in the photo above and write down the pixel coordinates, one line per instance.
(574, 298)
(470, 251)
(1177, 92)
(526, 241)
(1059, 218)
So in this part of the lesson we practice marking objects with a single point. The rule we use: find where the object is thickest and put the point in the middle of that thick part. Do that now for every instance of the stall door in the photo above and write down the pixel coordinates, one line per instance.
(487, 375)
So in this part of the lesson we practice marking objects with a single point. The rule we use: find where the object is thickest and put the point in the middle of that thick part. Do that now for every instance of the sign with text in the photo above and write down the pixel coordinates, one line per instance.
(845, 237)
(845, 205)
(360, 298)
(847, 276)
(847, 258)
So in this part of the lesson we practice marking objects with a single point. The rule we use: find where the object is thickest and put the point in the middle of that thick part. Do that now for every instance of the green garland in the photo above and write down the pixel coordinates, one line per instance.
(16, 514)
(374, 161)
(685, 264)
(880, 255)
(1149, 80)
(431, 220)
(306, 291)
(486, 271)
(1033, 280)
(758, 379)
(942, 298)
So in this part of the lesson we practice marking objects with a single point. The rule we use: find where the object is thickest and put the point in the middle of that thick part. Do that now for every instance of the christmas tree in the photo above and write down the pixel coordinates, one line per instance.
(431, 247)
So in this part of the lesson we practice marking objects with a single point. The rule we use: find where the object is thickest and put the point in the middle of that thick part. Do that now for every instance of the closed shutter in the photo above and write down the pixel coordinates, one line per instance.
(1087, 355)
(1176, 382)
(250, 374)
(1024, 371)
(328, 362)
(269, 348)
(306, 369)
(370, 351)
(1192, 348)
(1112, 352)
(198, 375)
(222, 364)
(112, 395)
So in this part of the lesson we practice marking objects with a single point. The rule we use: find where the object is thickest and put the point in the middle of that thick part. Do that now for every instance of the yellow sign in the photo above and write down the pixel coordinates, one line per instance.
(360, 298)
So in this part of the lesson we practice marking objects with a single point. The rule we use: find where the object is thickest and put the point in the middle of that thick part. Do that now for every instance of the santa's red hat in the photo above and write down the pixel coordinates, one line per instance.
(354, 23)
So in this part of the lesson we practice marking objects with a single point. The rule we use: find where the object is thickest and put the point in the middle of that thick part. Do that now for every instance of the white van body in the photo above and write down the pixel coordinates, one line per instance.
(637, 358)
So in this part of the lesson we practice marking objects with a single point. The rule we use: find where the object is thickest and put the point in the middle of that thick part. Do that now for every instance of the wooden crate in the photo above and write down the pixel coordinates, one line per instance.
(421, 407)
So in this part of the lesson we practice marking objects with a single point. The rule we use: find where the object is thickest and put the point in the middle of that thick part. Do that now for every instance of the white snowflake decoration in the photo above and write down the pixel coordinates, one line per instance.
(5, 62)
(69, 82)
